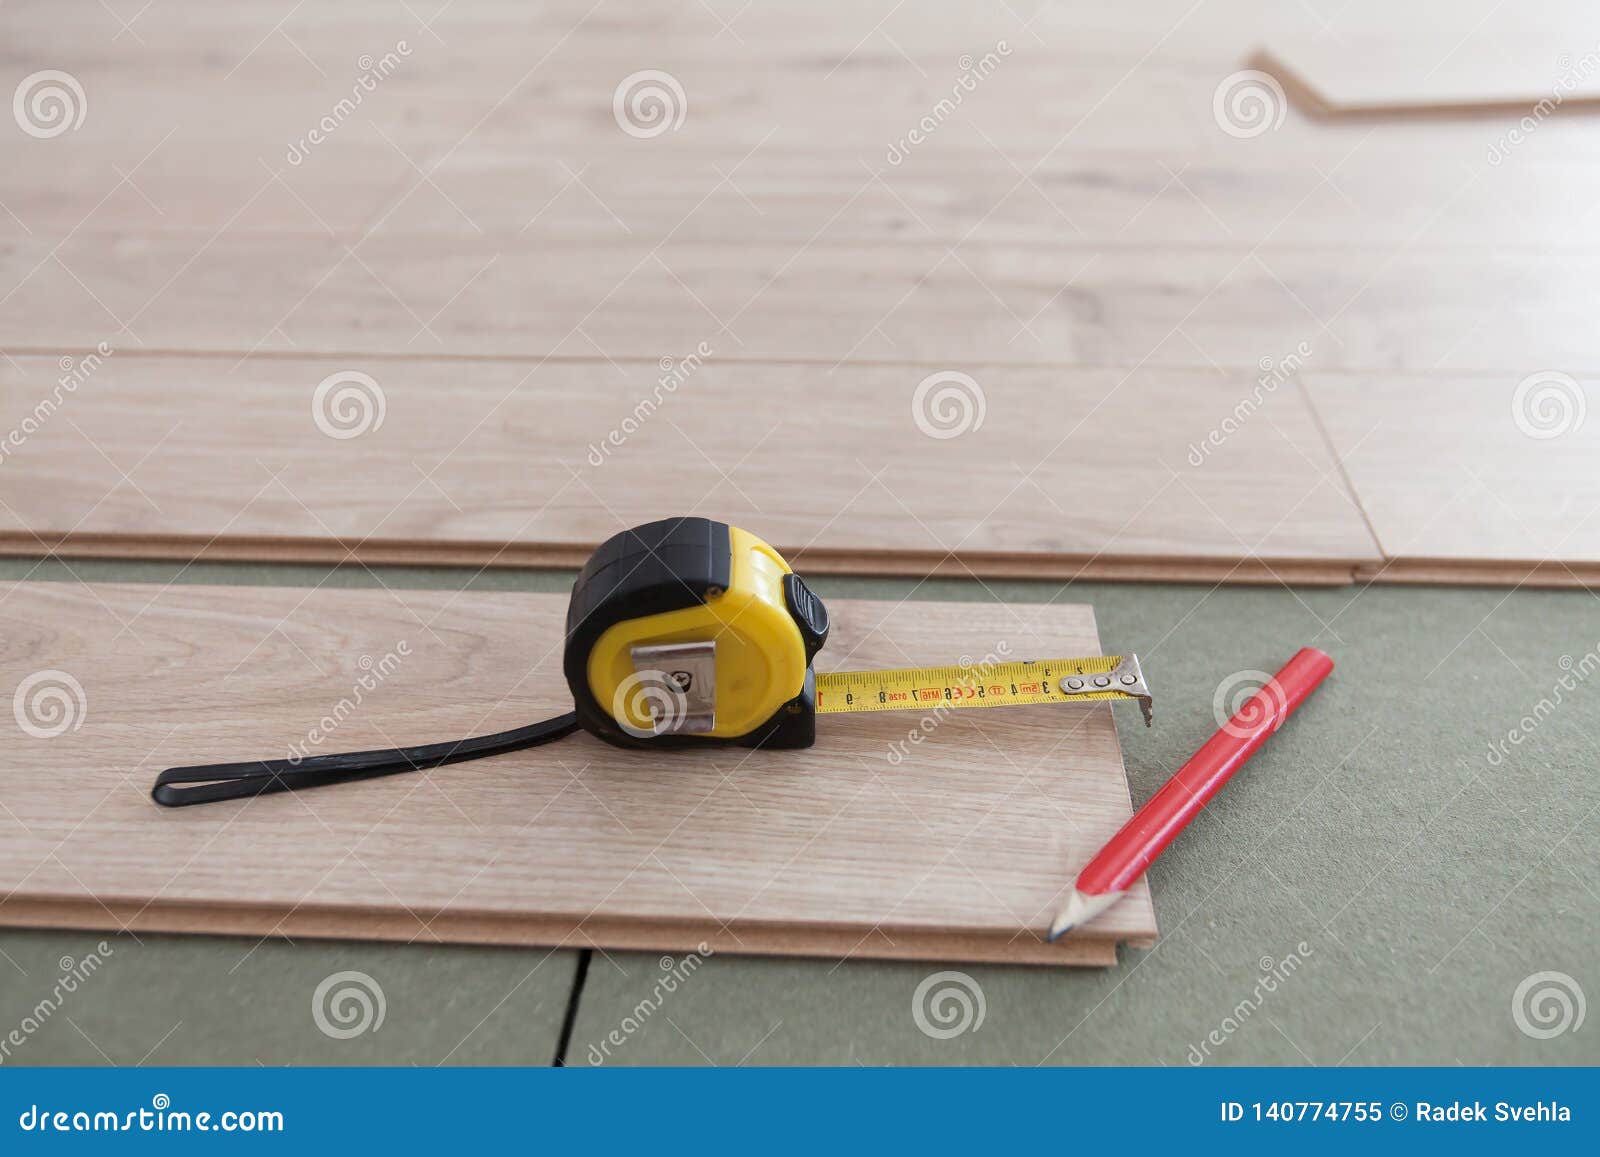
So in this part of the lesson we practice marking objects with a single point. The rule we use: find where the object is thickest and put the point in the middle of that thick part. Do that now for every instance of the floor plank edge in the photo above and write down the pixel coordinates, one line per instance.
(314, 922)
(550, 556)
(1482, 572)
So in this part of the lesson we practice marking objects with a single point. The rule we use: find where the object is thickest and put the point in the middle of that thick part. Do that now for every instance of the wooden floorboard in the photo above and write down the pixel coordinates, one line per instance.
(1017, 473)
(1061, 204)
(1492, 478)
(1373, 59)
(836, 850)
(828, 305)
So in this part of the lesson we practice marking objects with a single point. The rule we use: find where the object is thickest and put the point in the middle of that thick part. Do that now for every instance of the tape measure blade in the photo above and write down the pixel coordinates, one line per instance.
(1010, 684)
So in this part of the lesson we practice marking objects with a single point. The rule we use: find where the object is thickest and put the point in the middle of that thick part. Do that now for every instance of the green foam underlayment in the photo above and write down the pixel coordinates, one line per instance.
(1393, 883)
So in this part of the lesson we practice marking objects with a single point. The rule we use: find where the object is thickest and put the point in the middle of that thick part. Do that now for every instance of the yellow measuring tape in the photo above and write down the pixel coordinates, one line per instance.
(1099, 678)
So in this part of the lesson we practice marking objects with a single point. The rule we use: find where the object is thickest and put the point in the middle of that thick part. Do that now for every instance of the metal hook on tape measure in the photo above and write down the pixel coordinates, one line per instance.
(1125, 678)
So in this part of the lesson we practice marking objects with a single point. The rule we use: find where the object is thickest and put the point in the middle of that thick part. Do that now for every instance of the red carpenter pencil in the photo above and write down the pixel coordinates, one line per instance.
(1144, 837)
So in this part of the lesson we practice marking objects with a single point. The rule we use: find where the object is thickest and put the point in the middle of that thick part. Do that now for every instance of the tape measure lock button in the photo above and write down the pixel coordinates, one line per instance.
(809, 613)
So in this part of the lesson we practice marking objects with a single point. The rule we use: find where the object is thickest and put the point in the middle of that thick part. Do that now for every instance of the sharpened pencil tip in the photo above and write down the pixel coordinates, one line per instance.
(1079, 909)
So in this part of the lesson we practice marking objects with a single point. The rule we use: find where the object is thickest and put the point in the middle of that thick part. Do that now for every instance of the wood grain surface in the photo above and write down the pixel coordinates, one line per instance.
(843, 469)
(1492, 475)
(959, 850)
(1076, 207)
(1371, 58)
(911, 301)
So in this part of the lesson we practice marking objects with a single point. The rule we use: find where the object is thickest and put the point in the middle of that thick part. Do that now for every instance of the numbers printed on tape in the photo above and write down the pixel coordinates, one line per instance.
(1014, 684)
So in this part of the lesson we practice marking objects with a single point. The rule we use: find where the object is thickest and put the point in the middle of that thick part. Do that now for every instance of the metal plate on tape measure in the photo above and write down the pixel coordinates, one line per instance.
(685, 700)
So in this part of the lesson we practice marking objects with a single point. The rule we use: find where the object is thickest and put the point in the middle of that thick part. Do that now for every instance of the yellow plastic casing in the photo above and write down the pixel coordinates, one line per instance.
(760, 656)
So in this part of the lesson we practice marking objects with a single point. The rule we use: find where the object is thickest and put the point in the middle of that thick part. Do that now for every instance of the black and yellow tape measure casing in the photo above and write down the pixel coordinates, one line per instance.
(660, 610)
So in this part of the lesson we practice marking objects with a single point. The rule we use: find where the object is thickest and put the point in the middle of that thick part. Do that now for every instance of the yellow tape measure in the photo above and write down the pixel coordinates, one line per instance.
(1099, 678)
(686, 631)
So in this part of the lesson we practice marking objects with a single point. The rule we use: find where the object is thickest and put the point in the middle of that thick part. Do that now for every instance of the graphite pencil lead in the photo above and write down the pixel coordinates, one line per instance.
(1080, 908)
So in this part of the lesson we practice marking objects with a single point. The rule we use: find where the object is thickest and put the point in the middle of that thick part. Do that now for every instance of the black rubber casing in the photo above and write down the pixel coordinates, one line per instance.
(668, 566)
